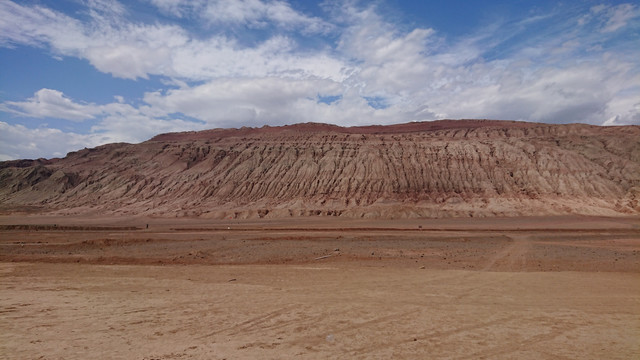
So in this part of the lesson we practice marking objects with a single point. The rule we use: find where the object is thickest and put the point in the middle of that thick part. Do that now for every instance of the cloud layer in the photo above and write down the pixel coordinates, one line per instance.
(255, 62)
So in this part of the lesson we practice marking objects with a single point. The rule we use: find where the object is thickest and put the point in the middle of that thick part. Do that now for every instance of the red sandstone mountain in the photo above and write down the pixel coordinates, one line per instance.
(431, 169)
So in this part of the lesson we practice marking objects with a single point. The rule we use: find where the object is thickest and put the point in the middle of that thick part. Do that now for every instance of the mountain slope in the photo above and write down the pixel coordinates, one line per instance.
(441, 168)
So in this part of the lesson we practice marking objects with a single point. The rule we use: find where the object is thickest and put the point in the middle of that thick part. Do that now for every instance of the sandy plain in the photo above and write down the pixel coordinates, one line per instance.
(499, 288)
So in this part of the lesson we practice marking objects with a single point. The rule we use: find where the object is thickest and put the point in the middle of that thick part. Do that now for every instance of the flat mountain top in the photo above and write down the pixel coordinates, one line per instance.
(314, 128)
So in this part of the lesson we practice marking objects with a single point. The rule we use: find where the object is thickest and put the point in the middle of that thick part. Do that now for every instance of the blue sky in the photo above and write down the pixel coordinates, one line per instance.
(80, 73)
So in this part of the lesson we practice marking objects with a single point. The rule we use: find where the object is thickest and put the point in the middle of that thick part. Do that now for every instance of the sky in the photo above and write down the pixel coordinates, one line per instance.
(81, 73)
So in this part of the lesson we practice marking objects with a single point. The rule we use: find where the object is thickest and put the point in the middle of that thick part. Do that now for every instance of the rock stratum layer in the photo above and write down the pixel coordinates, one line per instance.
(429, 169)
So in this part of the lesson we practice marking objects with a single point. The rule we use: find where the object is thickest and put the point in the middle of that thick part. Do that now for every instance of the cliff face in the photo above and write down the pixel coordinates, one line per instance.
(443, 168)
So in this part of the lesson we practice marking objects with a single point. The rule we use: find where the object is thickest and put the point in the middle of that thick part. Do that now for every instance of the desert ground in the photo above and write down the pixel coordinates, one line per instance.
(319, 287)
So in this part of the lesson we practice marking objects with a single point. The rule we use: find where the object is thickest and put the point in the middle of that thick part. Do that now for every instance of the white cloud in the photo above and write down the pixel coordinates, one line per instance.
(219, 57)
(277, 101)
(47, 103)
(50, 103)
(123, 49)
(624, 109)
(581, 93)
(550, 79)
(111, 7)
(376, 71)
(618, 16)
(608, 18)
(250, 13)
(131, 51)
(376, 42)
(115, 122)
(134, 51)
(135, 127)
(19, 141)
(39, 26)
(177, 8)
(248, 100)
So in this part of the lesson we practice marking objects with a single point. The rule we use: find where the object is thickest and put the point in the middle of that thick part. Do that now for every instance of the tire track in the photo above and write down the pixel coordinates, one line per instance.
(520, 344)
(511, 258)
(252, 324)
(431, 335)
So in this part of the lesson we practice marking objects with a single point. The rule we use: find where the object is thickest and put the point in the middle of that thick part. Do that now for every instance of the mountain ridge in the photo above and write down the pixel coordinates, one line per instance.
(423, 169)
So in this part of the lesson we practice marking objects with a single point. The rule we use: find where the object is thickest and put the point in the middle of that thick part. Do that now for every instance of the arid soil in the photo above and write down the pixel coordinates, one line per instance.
(499, 244)
(499, 288)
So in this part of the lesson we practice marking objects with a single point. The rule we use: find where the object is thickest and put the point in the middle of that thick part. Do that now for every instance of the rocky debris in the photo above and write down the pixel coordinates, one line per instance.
(427, 169)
